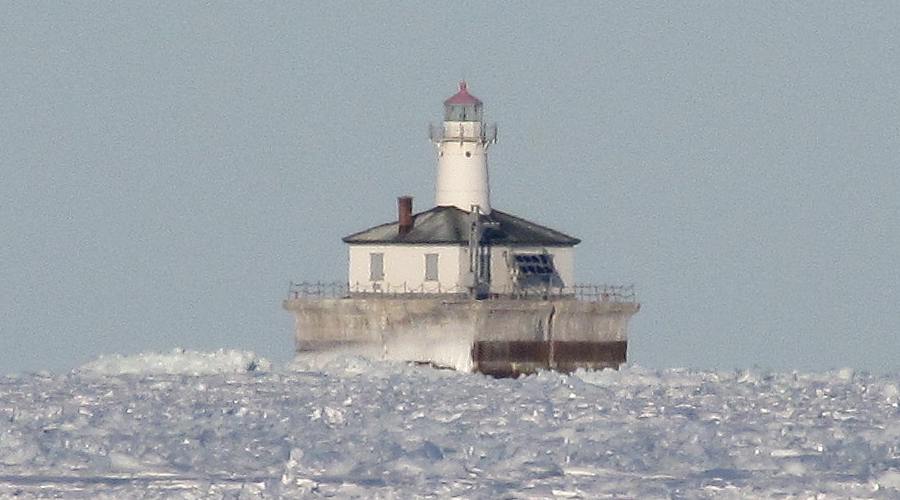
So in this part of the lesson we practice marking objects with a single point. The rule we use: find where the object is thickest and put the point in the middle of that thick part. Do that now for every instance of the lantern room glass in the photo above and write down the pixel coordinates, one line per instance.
(462, 112)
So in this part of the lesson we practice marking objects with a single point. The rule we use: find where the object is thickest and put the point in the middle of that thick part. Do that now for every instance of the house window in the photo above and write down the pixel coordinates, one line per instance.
(376, 266)
(431, 267)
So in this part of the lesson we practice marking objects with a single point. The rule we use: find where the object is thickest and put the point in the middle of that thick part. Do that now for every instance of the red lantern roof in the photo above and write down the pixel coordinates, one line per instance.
(463, 96)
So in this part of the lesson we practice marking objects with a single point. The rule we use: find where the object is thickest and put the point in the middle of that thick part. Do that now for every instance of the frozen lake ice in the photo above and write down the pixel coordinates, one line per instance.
(228, 424)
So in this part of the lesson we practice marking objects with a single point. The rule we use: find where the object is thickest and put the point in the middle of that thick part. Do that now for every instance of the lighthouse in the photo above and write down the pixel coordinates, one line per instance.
(462, 245)
(462, 142)
(464, 284)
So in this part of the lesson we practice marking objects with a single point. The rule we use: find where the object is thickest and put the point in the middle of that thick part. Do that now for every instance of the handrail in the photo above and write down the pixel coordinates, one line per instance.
(335, 290)
(487, 134)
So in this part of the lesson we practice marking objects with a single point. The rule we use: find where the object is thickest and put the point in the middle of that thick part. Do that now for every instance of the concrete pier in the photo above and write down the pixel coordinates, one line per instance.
(501, 337)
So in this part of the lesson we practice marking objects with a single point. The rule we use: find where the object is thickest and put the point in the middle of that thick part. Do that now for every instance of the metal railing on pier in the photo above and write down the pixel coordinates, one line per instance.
(335, 290)
(605, 293)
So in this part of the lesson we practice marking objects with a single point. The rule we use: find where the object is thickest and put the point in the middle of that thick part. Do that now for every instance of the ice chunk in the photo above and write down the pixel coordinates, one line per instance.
(178, 361)
(17, 448)
(889, 479)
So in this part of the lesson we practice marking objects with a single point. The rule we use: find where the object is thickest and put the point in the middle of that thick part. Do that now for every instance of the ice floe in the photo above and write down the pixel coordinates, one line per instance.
(227, 424)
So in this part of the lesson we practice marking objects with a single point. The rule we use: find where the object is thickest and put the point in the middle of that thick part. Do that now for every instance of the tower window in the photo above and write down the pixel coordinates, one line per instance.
(376, 266)
(431, 267)
(468, 154)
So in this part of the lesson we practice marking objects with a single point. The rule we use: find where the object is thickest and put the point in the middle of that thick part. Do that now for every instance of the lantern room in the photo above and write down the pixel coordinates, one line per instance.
(462, 106)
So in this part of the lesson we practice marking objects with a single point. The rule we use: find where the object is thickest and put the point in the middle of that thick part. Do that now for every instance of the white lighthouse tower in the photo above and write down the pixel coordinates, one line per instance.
(462, 143)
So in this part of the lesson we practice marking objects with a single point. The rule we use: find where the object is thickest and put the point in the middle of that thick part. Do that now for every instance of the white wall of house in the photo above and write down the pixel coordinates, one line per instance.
(404, 268)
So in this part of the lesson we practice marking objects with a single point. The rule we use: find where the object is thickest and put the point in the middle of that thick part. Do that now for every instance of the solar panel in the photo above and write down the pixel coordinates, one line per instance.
(534, 270)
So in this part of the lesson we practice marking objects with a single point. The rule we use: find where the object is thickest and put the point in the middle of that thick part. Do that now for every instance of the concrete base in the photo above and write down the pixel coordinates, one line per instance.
(499, 336)
(505, 358)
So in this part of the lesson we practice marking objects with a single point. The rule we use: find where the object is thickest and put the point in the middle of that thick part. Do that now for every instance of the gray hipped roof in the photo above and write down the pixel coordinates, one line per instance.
(450, 225)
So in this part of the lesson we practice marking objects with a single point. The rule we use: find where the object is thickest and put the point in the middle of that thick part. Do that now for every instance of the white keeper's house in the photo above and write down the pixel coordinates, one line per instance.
(463, 245)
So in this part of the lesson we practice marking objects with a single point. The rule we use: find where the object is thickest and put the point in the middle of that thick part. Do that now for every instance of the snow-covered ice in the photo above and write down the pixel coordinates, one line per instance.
(227, 424)
(178, 362)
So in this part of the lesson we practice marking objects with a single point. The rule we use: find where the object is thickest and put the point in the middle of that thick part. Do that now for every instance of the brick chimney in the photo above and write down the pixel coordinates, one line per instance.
(404, 214)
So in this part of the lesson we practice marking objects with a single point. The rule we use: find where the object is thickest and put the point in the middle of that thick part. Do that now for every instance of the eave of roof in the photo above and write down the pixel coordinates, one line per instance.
(449, 225)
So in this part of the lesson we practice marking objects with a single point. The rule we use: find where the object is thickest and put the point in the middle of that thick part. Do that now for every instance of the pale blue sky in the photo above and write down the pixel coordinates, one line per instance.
(166, 171)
